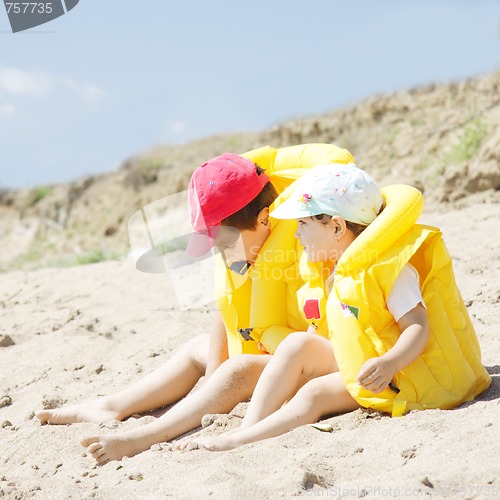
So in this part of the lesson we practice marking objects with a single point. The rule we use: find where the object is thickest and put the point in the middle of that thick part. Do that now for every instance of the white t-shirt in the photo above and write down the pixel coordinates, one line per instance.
(405, 293)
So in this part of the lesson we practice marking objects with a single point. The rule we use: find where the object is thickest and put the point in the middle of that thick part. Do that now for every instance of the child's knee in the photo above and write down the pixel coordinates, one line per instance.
(296, 344)
(313, 390)
(313, 395)
(241, 373)
(239, 365)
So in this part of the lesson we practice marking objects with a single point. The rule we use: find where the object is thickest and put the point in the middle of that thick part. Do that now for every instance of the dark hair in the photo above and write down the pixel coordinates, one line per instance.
(356, 229)
(246, 217)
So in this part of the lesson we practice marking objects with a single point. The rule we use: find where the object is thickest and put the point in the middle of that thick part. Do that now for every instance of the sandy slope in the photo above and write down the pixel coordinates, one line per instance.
(88, 330)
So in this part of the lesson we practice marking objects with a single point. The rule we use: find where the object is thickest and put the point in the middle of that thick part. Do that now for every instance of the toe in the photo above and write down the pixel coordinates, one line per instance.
(42, 416)
(89, 440)
(94, 449)
(103, 459)
(100, 454)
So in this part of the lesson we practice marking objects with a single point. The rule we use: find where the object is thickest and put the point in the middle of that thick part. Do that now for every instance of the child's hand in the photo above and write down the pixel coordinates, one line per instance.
(376, 374)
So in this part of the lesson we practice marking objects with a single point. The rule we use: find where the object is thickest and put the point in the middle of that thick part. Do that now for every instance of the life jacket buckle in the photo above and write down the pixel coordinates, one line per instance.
(245, 333)
(394, 387)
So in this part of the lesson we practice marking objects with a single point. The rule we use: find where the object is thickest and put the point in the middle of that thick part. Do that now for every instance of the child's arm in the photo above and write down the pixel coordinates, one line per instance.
(217, 351)
(377, 373)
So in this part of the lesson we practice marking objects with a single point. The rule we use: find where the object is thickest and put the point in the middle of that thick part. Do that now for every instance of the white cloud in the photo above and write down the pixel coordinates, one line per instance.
(177, 127)
(18, 82)
(7, 110)
(89, 91)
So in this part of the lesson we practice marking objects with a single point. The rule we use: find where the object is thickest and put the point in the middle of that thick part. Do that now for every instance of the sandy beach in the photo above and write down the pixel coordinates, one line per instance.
(89, 330)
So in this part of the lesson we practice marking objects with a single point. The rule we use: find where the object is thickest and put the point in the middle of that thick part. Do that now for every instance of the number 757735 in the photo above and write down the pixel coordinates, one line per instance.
(23, 7)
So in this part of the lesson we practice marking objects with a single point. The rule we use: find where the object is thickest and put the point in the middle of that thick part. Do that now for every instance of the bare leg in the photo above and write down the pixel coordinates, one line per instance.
(172, 381)
(321, 396)
(233, 382)
(300, 357)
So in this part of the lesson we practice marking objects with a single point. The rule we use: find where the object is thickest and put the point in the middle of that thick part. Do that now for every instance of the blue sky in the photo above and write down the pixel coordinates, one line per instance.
(111, 78)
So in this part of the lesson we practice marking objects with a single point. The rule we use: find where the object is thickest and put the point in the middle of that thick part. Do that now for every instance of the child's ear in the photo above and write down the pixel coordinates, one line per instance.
(263, 216)
(339, 227)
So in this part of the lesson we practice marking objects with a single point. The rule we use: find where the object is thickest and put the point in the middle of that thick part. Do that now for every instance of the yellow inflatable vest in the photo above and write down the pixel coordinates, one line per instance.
(449, 370)
(260, 308)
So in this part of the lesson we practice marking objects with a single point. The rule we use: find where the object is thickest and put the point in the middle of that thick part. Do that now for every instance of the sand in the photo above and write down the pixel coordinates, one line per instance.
(89, 330)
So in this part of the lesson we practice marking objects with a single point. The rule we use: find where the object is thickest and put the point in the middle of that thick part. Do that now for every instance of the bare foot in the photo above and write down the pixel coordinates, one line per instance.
(116, 446)
(97, 411)
(222, 442)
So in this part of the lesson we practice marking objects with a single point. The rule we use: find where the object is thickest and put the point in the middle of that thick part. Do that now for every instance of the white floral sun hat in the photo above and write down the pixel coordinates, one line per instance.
(334, 189)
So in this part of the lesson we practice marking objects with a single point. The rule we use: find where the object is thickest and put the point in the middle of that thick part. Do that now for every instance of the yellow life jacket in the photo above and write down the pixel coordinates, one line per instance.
(449, 370)
(261, 306)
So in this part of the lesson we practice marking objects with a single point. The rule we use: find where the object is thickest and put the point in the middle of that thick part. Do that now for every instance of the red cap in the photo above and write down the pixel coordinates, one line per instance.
(218, 189)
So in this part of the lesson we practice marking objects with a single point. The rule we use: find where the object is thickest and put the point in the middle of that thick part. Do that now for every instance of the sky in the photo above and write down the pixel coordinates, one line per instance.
(110, 79)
